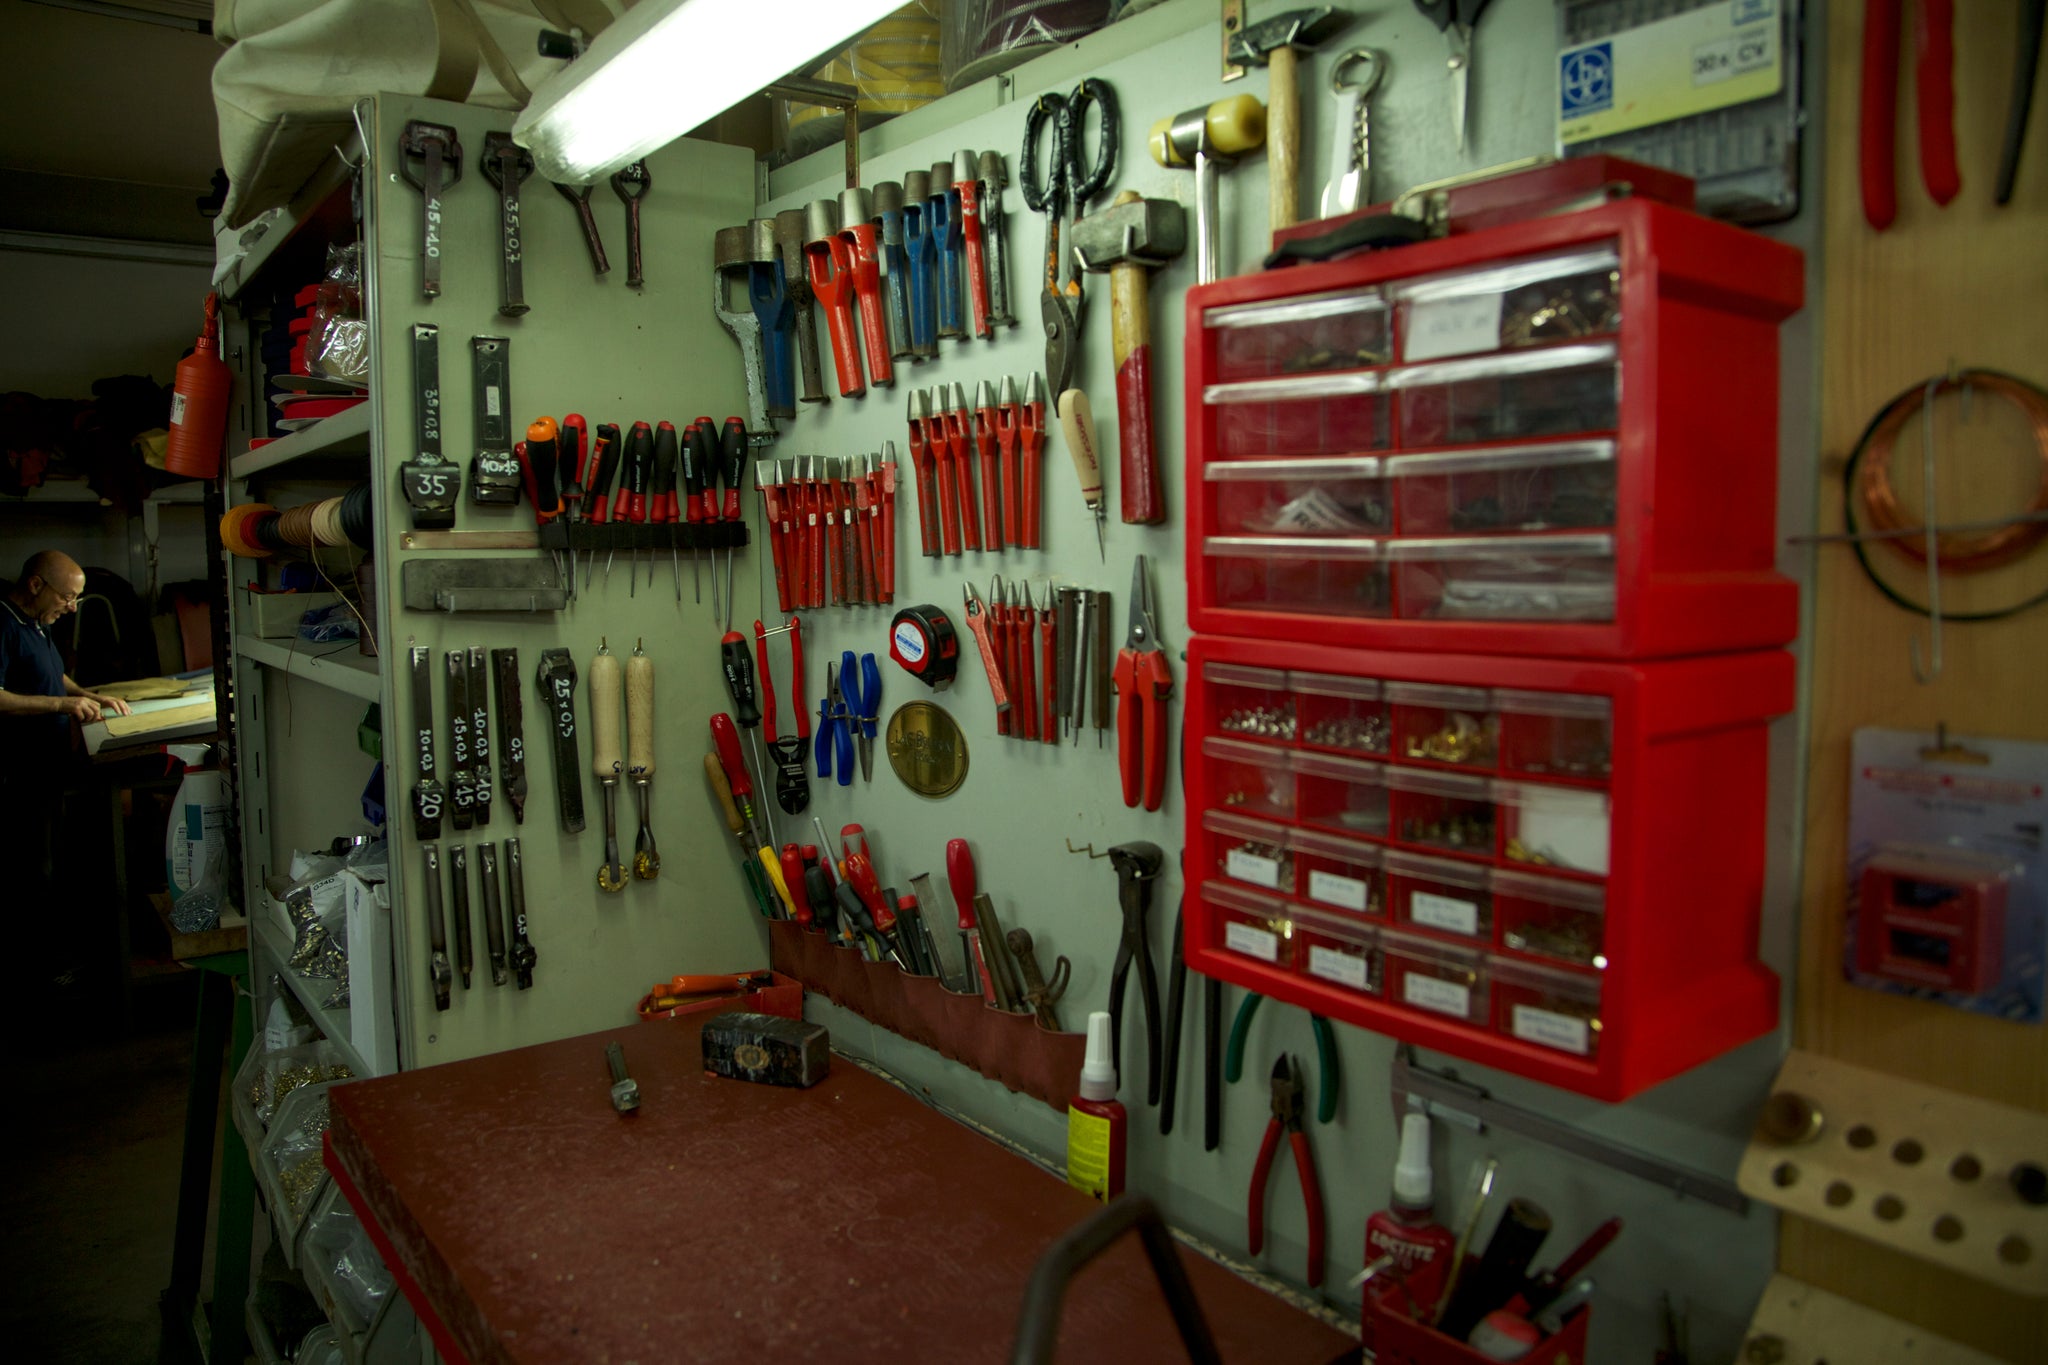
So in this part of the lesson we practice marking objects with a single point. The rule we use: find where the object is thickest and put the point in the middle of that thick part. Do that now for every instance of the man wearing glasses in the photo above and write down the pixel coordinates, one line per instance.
(38, 704)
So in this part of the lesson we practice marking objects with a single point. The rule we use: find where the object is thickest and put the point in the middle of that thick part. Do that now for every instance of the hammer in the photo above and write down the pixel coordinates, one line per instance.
(1210, 138)
(1131, 236)
(1277, 43)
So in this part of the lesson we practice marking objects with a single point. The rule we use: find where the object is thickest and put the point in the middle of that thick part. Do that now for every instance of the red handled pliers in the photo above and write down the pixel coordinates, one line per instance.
(1287, 1108)
(1143, 683)
(1934, 95)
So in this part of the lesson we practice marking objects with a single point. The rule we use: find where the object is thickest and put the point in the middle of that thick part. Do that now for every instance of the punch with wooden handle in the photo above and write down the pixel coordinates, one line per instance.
(1077, 424)
(640, 757)
(605, 686)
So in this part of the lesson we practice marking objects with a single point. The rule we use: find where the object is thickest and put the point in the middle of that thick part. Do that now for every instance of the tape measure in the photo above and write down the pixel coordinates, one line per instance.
(922, 640)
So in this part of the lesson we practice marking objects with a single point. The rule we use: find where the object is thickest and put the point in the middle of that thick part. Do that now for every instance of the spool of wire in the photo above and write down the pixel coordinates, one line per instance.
(258, 530)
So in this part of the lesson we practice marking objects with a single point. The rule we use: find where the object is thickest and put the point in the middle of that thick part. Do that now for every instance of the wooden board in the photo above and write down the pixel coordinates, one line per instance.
(1812, 1326)
(1968, 284)
(231, 935)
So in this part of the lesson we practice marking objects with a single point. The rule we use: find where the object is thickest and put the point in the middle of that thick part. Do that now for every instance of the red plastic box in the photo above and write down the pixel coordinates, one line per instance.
(1584, 912)
(1557, 438)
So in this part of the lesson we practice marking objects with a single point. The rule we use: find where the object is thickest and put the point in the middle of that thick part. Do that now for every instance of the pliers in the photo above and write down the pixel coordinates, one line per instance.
(1287, 1107)
(835, 733)
(1326, 1054)
(1137, 869)
(1934, 95)
(864, 705)
(1143, 683)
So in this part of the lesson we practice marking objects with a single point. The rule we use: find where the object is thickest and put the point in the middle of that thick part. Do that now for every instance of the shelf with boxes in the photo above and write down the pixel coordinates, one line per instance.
(1555, 437)
(1550, 866)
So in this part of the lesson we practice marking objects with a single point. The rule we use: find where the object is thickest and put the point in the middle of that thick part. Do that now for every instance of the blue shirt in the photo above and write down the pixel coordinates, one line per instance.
(30, 666)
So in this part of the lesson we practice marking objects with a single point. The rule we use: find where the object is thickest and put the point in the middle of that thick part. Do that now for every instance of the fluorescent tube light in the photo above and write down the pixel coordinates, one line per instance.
(667, 66)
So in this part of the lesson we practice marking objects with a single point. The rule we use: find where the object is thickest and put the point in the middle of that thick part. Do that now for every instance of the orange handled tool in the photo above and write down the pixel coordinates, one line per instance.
(960, 877)
(1143, 683)
(978, 622)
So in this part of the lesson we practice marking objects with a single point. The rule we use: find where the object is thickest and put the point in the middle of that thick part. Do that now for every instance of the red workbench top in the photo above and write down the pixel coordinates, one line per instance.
(726, 1221)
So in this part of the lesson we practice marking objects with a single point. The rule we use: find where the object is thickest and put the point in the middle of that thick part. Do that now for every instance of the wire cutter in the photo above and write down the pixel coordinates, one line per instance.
(864, 707)
(1143, 683)
(1934, 95)
(1137, 869)
(1065, 191)
(1326, 1054)
(1287, 1107)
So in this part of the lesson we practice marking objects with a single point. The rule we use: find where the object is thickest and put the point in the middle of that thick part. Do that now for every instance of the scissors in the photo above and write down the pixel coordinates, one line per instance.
(1456, 19)
(1062, 195)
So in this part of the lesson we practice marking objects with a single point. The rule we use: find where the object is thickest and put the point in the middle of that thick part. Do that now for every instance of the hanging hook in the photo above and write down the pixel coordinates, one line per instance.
(1928, 669)
(1088, 849)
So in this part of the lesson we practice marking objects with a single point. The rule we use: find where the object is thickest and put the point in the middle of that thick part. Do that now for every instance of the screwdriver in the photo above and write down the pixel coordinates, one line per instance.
(569, 463)
(732, 464)
(665, 508)
(793, 877)
(727, 740)
(631, 503)
(739, 685)
(764, 899)
(960, 877)
(604, 466)
(537, 465)
(697, 466)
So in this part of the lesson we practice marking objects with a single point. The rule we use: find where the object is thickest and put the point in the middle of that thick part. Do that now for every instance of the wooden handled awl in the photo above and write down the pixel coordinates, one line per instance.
(640, 757)
(605, 681)
(1077, 424)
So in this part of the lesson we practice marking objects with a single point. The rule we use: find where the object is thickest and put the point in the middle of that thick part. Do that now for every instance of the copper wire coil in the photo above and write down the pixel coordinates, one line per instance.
(1957, 552)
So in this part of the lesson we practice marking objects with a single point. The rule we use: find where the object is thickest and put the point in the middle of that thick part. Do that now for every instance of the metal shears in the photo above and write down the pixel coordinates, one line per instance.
(1061, 195)
(1143, 683)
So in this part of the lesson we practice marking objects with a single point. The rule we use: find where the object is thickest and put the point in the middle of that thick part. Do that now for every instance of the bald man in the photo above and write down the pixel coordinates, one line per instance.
(38, 704)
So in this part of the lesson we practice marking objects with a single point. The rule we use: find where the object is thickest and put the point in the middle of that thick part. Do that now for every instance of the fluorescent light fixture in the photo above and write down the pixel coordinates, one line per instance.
(667, 66)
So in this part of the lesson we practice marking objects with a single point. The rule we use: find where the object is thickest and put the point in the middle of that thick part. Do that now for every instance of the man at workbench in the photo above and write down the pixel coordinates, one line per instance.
(38, 703)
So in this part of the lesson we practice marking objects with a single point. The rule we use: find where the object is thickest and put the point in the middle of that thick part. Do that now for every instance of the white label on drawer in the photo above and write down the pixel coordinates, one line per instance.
(1258, 943)
(1447, 913)
(1552, 1029)
(1460, 326)
(1250, 867)
(1345, 968)
(1445, 997)
(1331, 889)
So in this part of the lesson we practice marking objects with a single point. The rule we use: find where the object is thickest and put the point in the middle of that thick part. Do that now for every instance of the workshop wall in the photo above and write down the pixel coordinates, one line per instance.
(68, 320)
(1021, 805)
(1965, 285)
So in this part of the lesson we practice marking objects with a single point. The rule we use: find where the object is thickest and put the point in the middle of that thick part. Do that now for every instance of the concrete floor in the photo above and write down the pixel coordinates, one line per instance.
(91, 1152)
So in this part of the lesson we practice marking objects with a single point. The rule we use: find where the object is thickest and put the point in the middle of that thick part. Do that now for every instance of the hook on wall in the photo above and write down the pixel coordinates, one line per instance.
(1088, 849)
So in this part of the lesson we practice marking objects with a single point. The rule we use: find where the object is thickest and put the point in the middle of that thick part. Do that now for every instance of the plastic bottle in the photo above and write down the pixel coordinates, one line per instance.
(199, 404)
(1407, 1230)
(1096, 1121)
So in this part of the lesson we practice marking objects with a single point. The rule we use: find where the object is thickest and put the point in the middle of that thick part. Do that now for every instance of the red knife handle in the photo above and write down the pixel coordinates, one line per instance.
(1934, 88)
(1877, 147)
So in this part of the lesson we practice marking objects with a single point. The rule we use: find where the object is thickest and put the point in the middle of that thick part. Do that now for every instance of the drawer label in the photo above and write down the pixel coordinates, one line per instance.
(1445, 997)
(1250, 867)
(1458, 326)
(1347, 969)
(1331, 889)
(1447, 913)
(1262, 944)
(1552, 1029)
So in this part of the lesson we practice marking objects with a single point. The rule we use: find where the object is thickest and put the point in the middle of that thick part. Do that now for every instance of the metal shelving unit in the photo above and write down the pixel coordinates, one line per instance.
(345, 433)
(335, 1023)
(342, 669)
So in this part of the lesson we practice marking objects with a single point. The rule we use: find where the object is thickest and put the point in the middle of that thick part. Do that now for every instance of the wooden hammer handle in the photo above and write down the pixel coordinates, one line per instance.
(1283, 137)
(1131, 335)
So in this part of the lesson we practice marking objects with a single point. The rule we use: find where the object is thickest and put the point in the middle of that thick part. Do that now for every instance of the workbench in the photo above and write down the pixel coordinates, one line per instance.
(727, 1221)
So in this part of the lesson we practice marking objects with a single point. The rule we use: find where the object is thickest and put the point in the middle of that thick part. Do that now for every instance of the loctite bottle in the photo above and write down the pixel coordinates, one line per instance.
(199, 404)
(1096, 1121)
(1408, 1231)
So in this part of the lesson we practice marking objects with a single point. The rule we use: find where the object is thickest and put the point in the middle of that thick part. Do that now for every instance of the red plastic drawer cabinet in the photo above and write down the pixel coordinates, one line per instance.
(1549, 866)
(1553, 438)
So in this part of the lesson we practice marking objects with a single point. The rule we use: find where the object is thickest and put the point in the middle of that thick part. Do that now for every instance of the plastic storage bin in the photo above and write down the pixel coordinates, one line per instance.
(1443, 812)
(1439, 895)
(1339, 497)
(1558, 486)
(1435, 723)
(1320, 575)
(1337, 873)
(1546, 1006)
(1253, 852)
(1344, 714)
(1255, 703)
(1344, 795)
(1326, 414)
(1255, 780)
(1609, 374)
(1562, 827)
(1556, 734)
(1251, 925)
(1551, 917)
(1346, 330)
(1424, 974)
(1338, 950)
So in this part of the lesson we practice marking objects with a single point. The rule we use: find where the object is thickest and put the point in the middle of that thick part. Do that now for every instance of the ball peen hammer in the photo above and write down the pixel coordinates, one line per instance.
(1132, 236)
(1277, 44)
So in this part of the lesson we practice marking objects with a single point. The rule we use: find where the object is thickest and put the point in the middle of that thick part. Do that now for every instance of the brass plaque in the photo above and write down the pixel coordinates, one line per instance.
(927, 749)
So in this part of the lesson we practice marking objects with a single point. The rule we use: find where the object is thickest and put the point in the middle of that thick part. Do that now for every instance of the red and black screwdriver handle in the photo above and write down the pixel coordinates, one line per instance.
(604, 467)
(732, 465)
(662, 506)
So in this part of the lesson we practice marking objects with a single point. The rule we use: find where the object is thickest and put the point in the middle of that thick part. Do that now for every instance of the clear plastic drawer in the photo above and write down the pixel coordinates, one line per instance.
(1560, 297)
(1437, 723)
(1440, 895)
(1551, 917)
(1326, 577)
(1515, 396)
(1447, 811)
(1328, 414)
(1506, 578)
(1340, 951)
(1349, 714)
(1546, 1006)
(1250, 779)
(1254, 926)
(1556, 734)
(1307, 335)
(1333, 497)
(1345, 795)
(1252, 702)
(1565, 827)
(1436, 977)
(1338, 873)
(1560, 486)
(1251, 851)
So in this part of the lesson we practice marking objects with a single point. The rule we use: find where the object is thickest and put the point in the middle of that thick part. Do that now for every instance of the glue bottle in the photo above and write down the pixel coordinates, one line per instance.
(1096, 1121)
(1407, 1230)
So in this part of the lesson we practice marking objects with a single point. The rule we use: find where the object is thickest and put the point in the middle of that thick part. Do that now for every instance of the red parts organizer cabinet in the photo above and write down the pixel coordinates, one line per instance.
(1552, 867)
(1557, 437)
